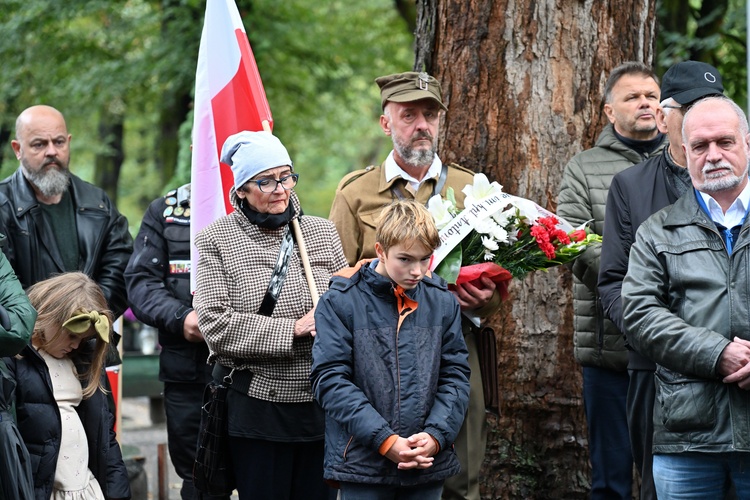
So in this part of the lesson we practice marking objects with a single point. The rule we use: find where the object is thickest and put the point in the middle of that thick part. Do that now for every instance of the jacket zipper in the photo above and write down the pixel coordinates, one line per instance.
(346, 448)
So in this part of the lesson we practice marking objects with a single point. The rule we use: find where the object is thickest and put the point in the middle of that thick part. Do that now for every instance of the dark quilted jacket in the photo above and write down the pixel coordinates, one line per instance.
(374, 381)
(39, 423)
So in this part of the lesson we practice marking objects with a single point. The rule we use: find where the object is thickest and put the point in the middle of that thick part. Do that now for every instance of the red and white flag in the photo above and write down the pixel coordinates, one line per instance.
(229, 98)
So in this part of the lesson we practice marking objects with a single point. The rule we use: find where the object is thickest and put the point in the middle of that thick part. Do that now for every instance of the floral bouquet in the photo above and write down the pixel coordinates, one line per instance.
(500, 236)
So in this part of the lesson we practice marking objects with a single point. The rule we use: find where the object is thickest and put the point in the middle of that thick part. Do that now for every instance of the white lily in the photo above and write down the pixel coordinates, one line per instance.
(528, 209)
(441, 211)
(490, 246)
(480, 189)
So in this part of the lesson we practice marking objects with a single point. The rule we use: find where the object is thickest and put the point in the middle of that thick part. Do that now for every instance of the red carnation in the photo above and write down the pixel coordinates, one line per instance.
(542, 237)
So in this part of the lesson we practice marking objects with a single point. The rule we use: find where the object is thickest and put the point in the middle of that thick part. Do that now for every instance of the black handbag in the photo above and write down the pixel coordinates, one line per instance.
(212, 471)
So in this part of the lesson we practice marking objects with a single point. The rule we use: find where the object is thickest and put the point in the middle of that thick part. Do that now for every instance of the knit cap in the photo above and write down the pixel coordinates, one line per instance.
(250, 153)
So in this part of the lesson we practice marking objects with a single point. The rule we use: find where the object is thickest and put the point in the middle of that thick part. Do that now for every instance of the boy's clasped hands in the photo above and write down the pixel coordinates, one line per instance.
(414, 452)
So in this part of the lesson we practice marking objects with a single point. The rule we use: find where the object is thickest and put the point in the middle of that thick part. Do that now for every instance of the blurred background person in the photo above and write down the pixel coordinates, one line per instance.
(56, 222)
(158, 284)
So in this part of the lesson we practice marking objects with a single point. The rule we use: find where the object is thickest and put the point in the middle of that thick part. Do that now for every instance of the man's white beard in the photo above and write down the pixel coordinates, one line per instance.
(723, 183)
(414, 157)
(50, 181)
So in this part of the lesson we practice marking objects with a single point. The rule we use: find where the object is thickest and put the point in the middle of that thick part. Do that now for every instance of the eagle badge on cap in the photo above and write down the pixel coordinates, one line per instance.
(423, 81)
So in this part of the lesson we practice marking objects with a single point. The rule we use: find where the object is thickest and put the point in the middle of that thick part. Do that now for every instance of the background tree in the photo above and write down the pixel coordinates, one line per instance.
(710, 31)
(122, 73)
(524, 82)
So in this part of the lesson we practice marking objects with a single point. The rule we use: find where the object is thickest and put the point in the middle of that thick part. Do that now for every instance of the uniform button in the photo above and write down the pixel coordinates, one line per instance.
(272, 393)
(154, 260)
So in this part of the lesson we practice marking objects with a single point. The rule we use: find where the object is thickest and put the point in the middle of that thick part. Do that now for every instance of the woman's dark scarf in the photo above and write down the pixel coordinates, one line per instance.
(268, 221)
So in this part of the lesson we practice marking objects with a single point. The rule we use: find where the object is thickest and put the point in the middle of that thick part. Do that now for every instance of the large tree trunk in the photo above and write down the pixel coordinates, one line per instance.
(108, 161)
(177, 99)
(523, 81)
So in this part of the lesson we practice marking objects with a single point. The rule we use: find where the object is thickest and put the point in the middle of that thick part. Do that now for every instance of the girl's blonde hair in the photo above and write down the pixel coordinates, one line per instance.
(58, 299)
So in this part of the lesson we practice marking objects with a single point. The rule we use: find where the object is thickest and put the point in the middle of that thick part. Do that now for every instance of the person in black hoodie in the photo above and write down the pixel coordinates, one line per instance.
(61, 406)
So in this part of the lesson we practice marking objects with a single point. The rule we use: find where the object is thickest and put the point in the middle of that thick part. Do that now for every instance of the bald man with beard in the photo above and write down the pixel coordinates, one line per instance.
(54, 222)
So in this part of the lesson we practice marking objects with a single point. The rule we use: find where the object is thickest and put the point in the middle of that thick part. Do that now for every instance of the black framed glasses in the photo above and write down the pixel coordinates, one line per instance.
(269, 185)
(670, 106)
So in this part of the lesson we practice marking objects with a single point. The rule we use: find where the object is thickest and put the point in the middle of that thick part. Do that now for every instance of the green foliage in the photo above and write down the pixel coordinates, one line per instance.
(137, 58)
(709, 31)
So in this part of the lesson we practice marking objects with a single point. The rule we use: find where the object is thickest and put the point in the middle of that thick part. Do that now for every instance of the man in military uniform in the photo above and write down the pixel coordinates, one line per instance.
(158, 281)
(412, 105)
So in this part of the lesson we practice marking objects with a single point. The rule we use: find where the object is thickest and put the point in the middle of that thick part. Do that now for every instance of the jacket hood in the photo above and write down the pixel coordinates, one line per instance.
(380, 285)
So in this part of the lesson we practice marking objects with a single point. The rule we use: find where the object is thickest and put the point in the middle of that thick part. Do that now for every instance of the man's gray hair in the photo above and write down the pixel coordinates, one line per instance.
(714, 100)
(668, 104)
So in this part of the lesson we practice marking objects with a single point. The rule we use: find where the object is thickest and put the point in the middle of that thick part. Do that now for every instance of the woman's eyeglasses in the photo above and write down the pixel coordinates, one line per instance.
(269, 185)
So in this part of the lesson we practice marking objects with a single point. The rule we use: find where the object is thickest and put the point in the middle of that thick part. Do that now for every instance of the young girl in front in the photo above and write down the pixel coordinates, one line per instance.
(61, 404)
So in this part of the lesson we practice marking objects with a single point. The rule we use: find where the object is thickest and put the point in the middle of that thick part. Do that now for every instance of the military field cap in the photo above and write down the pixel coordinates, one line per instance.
(688, 81)
(250, 153)
(408, 87)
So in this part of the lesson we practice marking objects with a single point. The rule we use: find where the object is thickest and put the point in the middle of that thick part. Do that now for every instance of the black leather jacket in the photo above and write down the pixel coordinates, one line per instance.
(158, 280)
(103, 238)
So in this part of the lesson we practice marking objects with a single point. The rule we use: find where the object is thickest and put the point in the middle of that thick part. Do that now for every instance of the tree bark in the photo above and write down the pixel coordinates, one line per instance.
(523, 81)
(108, 162)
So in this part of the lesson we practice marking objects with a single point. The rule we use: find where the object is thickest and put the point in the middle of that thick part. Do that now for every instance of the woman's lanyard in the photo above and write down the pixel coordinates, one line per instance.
(729, 235)
(279, 273)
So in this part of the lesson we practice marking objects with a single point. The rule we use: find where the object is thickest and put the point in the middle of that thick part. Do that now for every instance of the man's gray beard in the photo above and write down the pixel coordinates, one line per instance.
(414, 157)
(50, 181)
(724, 183)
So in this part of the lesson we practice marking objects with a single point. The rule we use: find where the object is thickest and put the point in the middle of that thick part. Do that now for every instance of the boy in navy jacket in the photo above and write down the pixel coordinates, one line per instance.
(390, 366)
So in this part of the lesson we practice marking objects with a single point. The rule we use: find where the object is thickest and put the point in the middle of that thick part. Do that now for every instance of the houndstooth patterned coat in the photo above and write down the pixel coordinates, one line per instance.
(236, 261)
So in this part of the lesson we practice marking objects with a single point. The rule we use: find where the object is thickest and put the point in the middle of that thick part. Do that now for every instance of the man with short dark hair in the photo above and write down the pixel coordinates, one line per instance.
(686, 307)
(54, 221)
(634, 195)
(631, 98)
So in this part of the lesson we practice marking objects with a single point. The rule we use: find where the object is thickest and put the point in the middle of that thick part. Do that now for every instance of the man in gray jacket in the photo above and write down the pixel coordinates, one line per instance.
(686, 307)
(631, 97)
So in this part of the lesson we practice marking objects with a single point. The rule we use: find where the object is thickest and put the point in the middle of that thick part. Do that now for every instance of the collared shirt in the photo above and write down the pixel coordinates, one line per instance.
(392, 170)
(736, 213)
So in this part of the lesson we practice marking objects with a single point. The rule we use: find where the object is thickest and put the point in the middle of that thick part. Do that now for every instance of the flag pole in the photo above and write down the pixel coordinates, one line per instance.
(301, 245)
